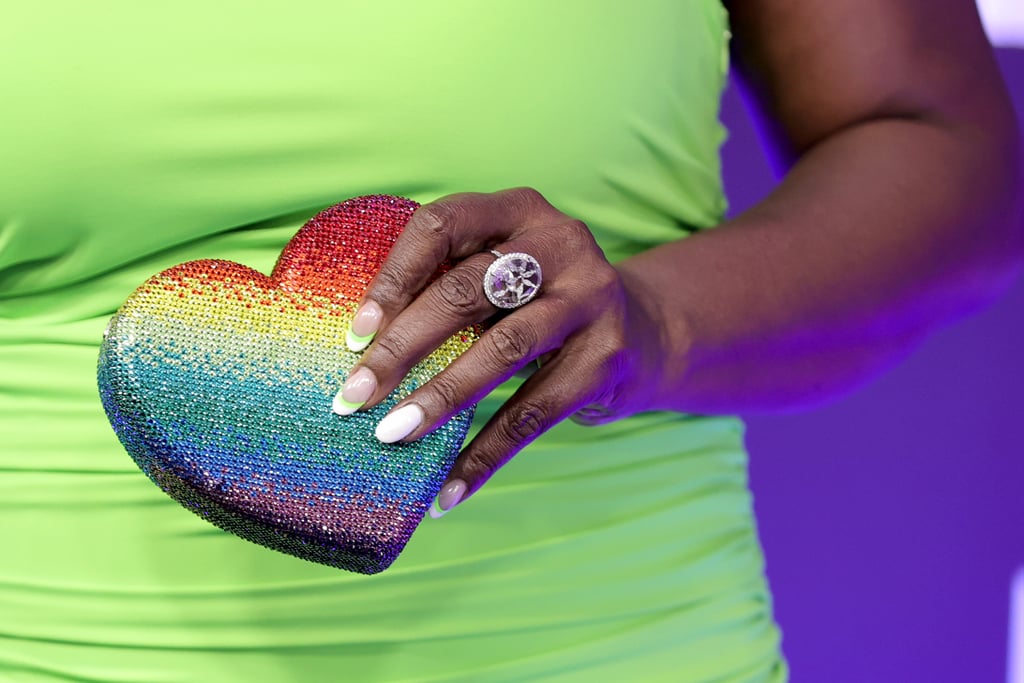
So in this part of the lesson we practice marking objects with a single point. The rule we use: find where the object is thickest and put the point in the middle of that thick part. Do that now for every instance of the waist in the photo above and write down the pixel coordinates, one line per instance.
(655, 506)
(643, 504)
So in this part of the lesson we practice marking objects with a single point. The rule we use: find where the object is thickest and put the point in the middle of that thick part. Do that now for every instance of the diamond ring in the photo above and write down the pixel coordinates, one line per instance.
(512, 280)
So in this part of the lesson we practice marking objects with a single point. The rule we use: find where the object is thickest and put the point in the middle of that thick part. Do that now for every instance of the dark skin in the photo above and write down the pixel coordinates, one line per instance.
(897, 215)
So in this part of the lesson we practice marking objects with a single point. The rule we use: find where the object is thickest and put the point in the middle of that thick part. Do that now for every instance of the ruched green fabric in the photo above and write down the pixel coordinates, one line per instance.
(136, 136)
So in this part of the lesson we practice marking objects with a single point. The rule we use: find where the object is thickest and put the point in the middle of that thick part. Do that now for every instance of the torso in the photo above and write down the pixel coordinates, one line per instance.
(136, 137)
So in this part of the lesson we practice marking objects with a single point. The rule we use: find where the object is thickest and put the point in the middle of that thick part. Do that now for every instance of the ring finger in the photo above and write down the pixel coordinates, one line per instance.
(510, 344)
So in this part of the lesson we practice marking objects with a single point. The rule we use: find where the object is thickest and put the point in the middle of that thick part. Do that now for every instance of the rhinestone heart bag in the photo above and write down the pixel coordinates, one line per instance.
(218, 380)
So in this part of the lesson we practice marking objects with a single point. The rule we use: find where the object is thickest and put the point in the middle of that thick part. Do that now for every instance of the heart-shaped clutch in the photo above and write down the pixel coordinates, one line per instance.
(218, 381)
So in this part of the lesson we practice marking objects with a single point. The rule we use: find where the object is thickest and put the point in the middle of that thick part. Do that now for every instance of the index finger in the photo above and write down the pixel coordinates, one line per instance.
(453, 227)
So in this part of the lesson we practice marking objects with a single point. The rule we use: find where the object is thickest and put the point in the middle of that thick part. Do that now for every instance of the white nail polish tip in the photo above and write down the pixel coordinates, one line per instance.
(340, 406)
(399, 423)
(357, 344)
(435, 511)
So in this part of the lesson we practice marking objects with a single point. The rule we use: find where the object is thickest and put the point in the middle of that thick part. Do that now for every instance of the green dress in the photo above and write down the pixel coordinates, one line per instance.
(136, 136)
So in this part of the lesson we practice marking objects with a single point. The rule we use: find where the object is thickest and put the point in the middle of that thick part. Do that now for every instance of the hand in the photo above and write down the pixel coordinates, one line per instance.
(594, 341)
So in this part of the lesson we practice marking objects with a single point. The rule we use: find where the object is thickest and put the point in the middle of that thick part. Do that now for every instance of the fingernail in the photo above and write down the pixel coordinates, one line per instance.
(398, 424)
(357, 390)
(364, 326)
(449, 496)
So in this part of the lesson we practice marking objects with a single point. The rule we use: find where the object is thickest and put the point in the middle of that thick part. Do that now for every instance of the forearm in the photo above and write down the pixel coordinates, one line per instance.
(878, 234)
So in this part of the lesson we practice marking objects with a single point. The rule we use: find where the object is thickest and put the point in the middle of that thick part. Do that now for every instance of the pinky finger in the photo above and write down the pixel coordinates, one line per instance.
(550, 395)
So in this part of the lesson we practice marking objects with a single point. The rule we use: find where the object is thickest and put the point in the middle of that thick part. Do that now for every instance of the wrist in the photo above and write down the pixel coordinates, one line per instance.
(659, 341)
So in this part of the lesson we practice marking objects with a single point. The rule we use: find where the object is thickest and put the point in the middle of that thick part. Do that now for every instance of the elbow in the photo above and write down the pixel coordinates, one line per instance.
(1007, 218)
(999, 187)
(988, 256)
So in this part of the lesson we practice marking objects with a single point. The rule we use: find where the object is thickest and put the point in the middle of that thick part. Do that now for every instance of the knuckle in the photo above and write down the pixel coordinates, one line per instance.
(575, 236)
(394, 347)
(606, 276)
(618, 340)
(529, 202)
(433, 220)
(525, 422)
(609, 352)
(457, 289)
(511, 343)
(484, 460)
(614, 366)
(528, 195)
(615, 360)
(607, 285)
(592, 415)
(602, 280)
(445, 392)
(389, 284)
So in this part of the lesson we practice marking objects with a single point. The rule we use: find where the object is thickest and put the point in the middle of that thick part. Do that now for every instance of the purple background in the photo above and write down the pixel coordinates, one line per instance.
(893, 518)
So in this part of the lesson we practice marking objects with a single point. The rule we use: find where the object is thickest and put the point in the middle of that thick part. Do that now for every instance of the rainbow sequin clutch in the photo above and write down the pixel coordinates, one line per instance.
(218, 380)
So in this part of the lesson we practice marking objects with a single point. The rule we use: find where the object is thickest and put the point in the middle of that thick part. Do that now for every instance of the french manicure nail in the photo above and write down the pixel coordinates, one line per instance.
(357, 390)
(364, 326)
(449, 496)
(398, 424)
